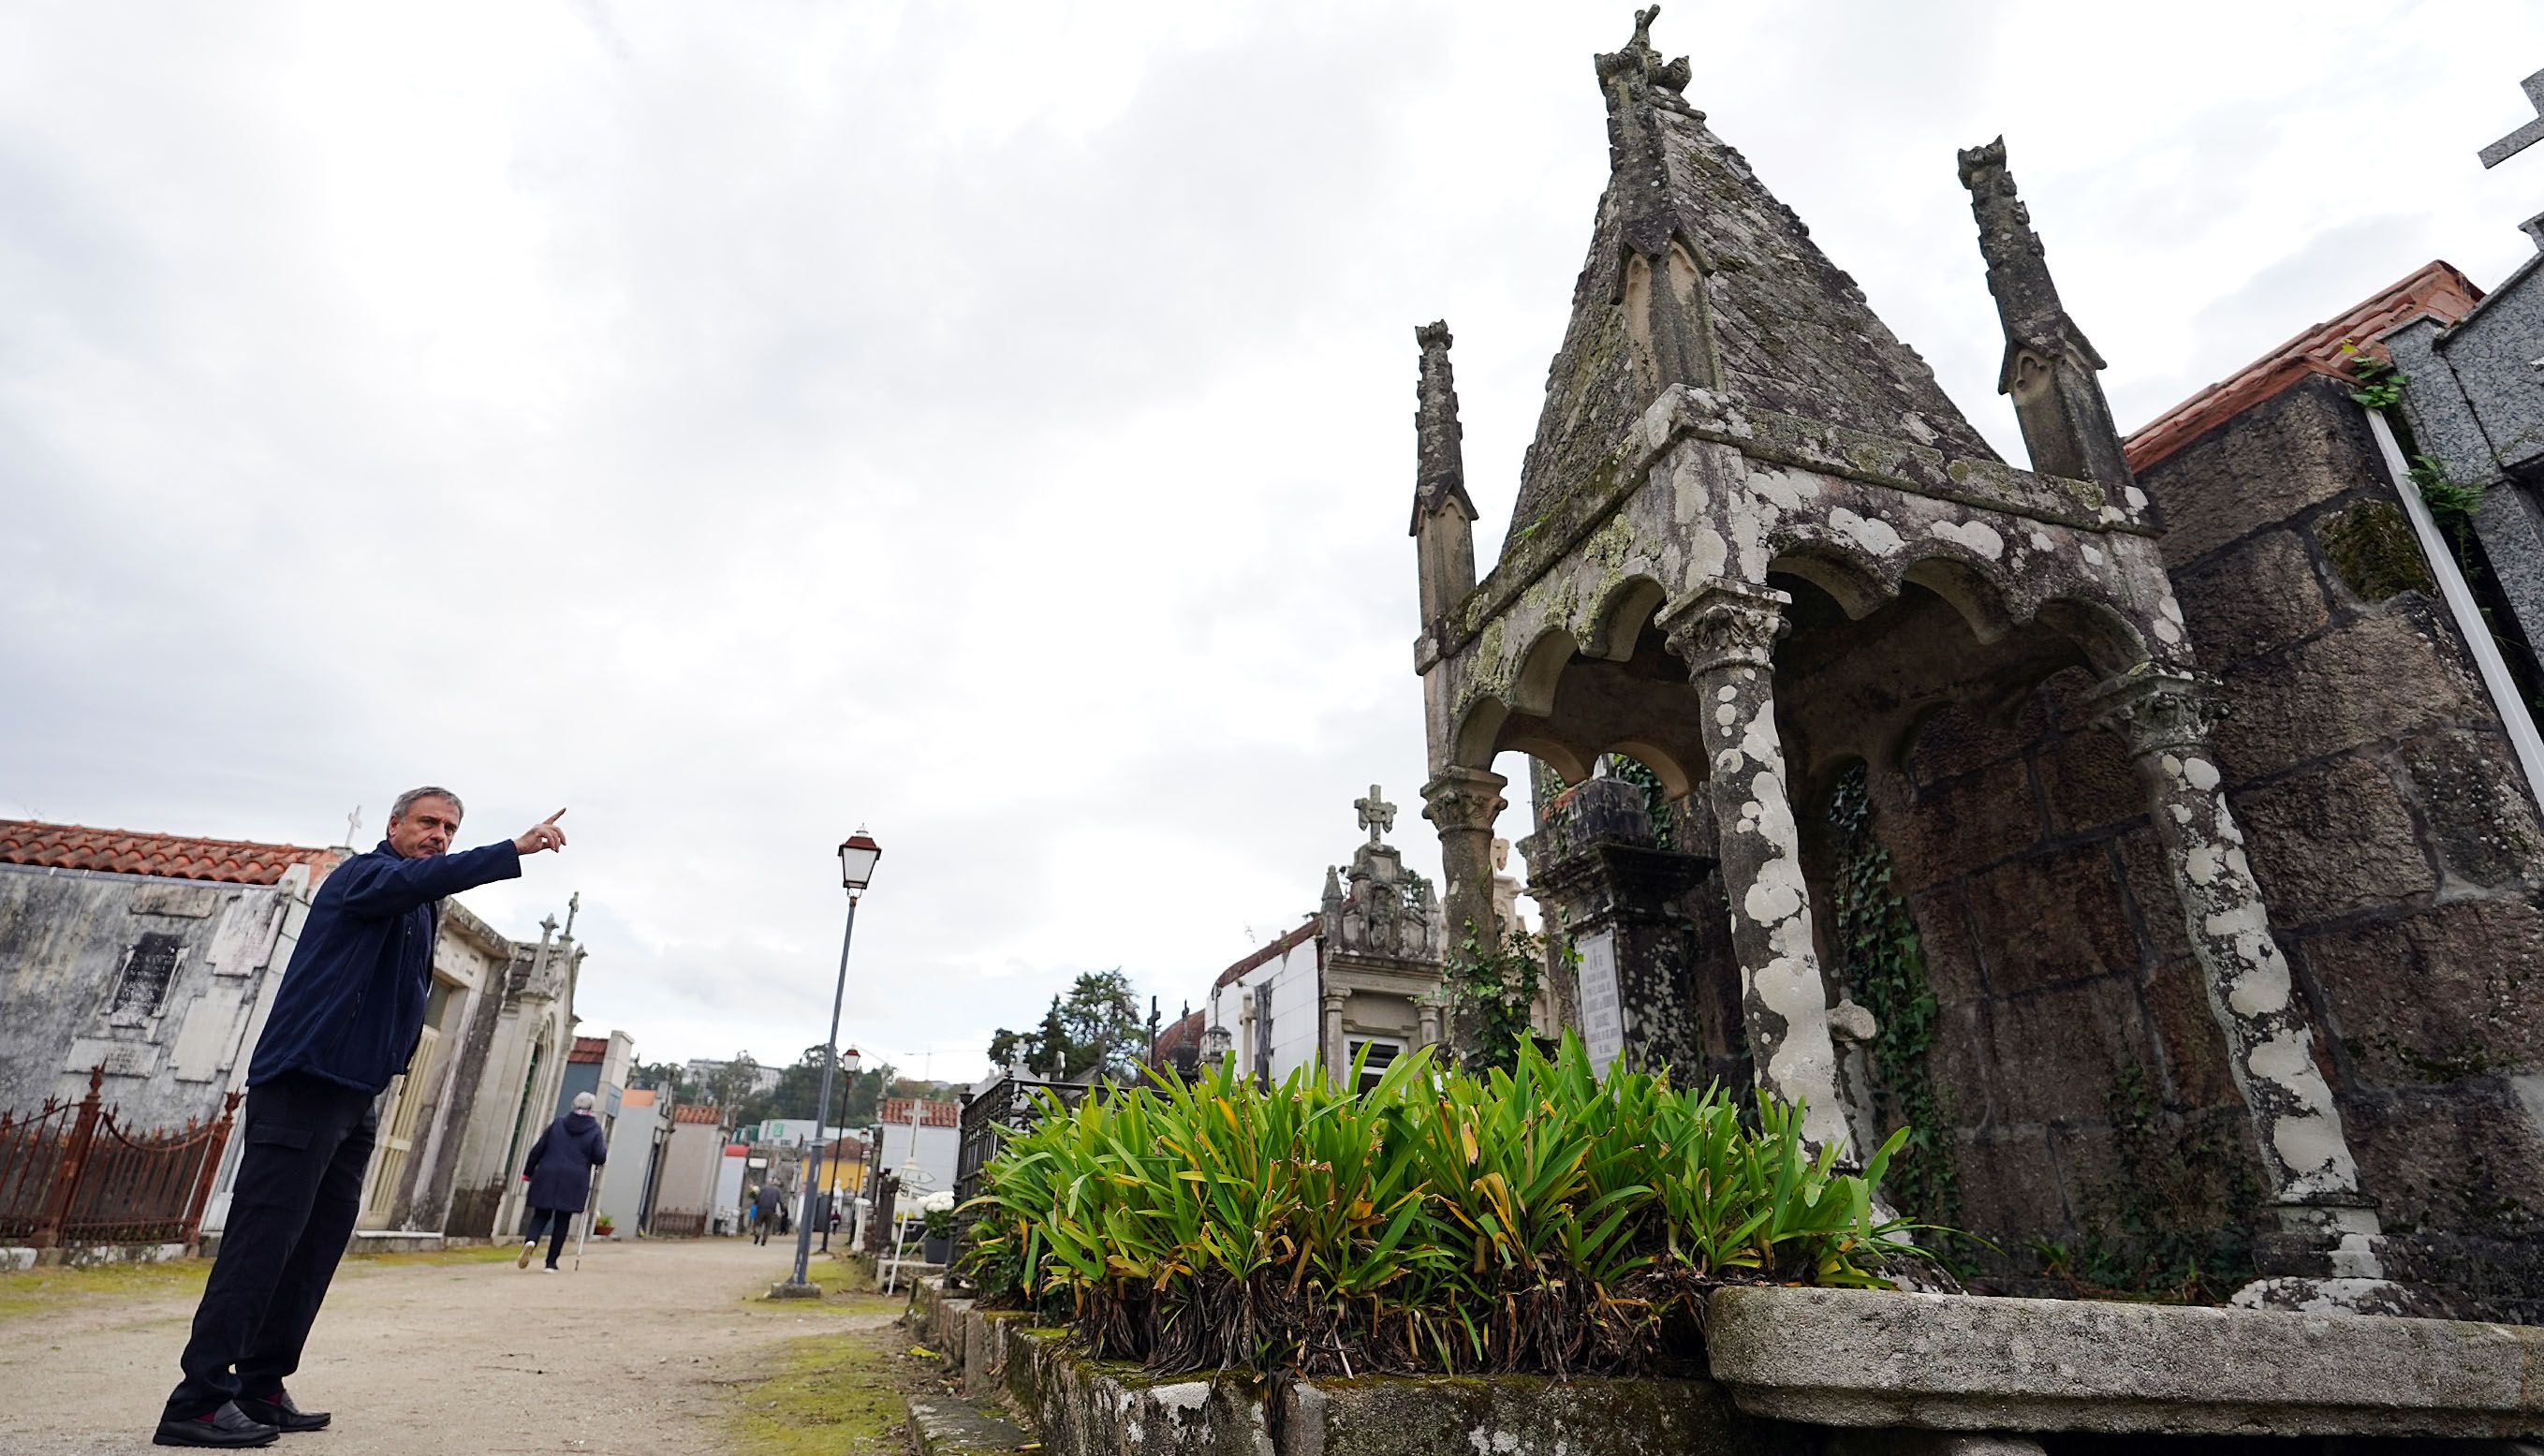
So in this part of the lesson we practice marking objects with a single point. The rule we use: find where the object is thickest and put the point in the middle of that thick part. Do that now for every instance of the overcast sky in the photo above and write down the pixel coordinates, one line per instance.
(988, 423)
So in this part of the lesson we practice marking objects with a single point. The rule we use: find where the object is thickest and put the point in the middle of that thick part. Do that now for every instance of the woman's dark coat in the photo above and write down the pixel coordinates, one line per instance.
(562, 1161)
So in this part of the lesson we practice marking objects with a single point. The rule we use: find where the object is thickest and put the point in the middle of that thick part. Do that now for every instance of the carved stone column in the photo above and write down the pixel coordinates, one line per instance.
(1464, 803)
(2164, 718)
(1726, 632)
(1337, 1057)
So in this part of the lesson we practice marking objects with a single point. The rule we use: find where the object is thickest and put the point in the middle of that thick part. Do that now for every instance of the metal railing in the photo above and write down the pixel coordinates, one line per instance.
(71, 1174)
(679, 1223)
(1007, 1106)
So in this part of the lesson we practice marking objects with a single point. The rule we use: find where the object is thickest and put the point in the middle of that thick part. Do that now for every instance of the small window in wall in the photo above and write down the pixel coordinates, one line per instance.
(1380, 1054)
(147, 970)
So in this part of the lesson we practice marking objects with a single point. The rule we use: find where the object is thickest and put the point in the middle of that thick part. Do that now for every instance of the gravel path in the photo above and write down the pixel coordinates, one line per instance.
(636, 1352)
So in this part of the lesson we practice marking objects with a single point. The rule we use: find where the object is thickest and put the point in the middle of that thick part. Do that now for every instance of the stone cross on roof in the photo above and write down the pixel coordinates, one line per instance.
(2524, 136)
(1376, 815)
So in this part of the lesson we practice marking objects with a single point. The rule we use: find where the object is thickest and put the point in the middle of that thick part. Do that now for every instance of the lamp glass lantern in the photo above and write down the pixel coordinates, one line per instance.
(857, 856)
(850, 1062)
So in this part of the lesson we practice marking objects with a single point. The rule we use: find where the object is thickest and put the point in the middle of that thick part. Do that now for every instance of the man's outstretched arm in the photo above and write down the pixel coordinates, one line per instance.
(377, 887)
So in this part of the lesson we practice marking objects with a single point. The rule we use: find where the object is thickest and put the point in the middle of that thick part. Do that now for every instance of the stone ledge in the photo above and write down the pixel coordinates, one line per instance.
(940, 1428)
(1851, 1358)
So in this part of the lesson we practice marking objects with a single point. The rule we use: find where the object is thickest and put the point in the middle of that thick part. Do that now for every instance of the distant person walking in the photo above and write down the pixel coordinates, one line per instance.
(559, 1172)
(345, 1021)
(763, 1211)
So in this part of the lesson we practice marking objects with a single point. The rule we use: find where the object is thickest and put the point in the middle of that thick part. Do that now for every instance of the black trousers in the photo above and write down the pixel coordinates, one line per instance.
(539, 1221)
(293, 1207)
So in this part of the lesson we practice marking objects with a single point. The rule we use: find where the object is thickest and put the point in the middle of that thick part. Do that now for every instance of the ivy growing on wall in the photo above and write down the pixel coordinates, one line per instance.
(1492, 985)
(1886, 967)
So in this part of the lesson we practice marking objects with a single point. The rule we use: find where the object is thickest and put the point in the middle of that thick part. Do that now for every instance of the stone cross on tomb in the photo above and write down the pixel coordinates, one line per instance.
(573, 908)
(1376, 815)
(2524, 136)
(354, 827)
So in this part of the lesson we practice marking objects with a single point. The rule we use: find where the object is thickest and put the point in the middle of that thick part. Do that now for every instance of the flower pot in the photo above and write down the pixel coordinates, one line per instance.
(937, 1251)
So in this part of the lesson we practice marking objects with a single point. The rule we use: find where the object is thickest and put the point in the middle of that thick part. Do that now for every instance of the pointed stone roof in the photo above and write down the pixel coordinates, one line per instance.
(1698, 275)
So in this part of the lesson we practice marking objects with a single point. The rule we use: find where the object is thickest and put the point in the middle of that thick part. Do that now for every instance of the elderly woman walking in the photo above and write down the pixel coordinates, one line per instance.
(558, 1171)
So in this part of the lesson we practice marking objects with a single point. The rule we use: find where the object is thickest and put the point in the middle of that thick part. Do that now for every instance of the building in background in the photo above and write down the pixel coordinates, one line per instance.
(629, 1184)
(684, 1197)
(924, 1155)
(1360, 978)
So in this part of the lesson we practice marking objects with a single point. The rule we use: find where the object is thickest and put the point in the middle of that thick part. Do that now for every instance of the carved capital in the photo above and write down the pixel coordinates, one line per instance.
(1465, 800)
(1724, 624)
(2155, 711)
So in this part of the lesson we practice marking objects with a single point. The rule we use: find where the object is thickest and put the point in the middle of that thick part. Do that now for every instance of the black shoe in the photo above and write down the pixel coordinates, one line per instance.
(226, 1426)
(278, 1411)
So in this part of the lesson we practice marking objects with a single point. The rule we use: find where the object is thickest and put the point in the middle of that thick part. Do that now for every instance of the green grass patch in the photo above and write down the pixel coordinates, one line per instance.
(829, 1395)
(47, 1290)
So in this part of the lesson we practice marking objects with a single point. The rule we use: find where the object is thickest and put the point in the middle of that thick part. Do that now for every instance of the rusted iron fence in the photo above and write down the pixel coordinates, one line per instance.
(679, 1222)
(71, 1172)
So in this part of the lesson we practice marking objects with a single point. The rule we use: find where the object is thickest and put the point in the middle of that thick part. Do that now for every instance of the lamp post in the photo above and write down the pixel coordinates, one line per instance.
(857, 856)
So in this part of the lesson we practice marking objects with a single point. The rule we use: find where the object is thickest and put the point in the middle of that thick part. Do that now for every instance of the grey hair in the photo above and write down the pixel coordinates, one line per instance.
(406, 802)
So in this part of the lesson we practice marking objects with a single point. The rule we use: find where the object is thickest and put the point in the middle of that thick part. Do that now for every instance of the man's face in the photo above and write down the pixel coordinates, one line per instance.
(425, 829)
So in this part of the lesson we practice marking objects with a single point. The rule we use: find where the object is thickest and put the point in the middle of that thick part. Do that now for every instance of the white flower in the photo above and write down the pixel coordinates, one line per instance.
(939, 1202)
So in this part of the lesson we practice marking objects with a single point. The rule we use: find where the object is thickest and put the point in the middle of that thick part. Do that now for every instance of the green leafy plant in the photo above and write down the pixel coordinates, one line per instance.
(1885, 963)
(2381, 384)
(1534, 1218)
(1491, 989)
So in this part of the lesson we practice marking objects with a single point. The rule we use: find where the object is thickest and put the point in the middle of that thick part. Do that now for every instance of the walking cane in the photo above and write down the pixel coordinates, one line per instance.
(591, 1201)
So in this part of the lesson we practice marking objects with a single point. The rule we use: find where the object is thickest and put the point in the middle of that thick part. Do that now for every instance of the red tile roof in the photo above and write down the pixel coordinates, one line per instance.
(588, 1049)
(895, 1112)
(2436, 290)
(698, 1113)
(168, 855)
(1185, 1032)
(636, 1096)
(1273, 952)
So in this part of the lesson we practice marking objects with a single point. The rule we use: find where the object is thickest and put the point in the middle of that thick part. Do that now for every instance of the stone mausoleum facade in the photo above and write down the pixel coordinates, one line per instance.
(2172, 874)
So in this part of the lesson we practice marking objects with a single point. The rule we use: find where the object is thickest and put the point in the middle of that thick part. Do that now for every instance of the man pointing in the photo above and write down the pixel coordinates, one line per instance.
(344, 1020)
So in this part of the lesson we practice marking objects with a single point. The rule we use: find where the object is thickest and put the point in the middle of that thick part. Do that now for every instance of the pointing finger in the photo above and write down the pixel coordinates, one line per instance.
(553, 818)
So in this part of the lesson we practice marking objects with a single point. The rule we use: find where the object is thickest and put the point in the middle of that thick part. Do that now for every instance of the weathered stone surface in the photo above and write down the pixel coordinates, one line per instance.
(2476, 805)
(1508, 1415)
(2087, 782)
(2439, 995)
(2258, 596)
(2265, 466)
(939, 1426)
(2373, 552)
(2009, 1184)
(2468, 1157)
(1961, 738)
(2332, 840)
(2194, 1049)
(1956, 1064)
(1956, 825)
(2052, 917)
(1940, 1361)
(2159, 916)
(1944, 940)
(2058, 1051)
(2310, 701)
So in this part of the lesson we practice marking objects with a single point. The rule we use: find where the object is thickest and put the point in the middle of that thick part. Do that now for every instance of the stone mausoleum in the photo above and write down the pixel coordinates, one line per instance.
(2179, 886)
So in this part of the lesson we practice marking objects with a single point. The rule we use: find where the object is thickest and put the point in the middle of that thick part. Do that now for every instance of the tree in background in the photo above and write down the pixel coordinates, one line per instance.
(667, 1077)
(734, 1084)
(1098, 1023)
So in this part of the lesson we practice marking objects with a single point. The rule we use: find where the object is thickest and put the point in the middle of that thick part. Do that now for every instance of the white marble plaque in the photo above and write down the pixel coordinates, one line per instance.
(1603, 1016)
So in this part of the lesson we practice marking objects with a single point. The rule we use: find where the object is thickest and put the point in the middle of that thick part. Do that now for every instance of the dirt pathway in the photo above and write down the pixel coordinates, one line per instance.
(637, 1352)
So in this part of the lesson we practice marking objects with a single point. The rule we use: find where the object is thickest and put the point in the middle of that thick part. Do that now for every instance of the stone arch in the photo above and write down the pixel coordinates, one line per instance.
(1540, 668)
(1856, 585)
(1620, 618)
(1971, 590)
(2109, 640)
(1676, 782)
(1480, 733)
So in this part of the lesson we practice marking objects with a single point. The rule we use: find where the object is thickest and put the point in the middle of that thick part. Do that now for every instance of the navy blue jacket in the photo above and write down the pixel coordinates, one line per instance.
(351, 1005)
(562, 1161)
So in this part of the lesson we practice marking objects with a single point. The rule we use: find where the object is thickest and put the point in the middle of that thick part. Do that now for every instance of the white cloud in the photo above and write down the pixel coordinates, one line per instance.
(987, 423)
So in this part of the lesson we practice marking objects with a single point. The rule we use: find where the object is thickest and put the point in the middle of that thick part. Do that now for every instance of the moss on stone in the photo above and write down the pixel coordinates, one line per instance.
(2372, 547)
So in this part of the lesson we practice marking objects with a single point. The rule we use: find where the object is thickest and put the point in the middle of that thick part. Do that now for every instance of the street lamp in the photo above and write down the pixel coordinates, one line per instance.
(851, 1063)
(857, 856)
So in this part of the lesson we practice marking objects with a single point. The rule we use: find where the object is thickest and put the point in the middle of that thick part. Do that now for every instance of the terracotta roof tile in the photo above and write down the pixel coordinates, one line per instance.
(1276, 949)
(698, 1113)
(588, 1049)
(2436, 290)
(1185, 1032)
(895, 1112)
(167, 856)
(636, 1096)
